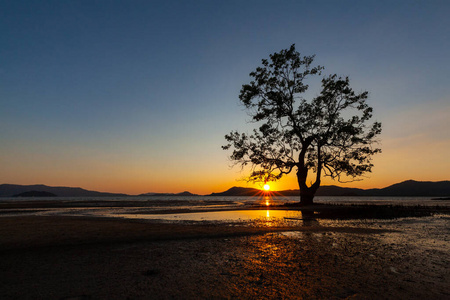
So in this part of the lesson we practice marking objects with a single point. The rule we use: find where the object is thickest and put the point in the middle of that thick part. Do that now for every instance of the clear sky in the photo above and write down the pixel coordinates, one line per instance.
(136, 96)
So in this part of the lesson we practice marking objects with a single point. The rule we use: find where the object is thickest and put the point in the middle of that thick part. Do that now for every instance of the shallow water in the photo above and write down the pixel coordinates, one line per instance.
(240, 200)
(181, 208)
(226, 216)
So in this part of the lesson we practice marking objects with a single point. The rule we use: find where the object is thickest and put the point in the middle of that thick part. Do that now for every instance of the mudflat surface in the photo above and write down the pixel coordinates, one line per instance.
(91, 258)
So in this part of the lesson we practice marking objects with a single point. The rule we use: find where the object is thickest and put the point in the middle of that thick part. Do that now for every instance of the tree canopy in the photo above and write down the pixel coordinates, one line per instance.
(329, 134)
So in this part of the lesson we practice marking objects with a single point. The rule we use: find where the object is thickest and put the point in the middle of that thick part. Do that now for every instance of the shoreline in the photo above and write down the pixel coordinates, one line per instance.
(316, 211)
(32, 232)
(80, 257)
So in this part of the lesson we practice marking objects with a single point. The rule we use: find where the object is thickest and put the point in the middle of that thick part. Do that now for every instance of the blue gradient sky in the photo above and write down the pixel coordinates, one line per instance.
(136, 96)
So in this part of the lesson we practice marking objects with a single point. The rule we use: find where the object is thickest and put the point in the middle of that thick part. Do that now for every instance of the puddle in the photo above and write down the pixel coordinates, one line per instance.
(230, 216)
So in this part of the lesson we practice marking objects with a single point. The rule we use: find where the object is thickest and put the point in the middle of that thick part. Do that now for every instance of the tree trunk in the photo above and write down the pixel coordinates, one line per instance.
(306, 193)
(306, 198)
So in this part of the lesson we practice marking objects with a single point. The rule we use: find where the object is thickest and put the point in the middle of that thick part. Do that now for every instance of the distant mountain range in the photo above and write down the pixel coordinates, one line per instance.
(408, 188)
(15, 190)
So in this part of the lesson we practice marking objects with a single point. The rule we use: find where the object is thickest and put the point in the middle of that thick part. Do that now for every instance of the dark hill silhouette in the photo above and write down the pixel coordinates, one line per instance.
(35, 194)
(238, 191)
(9, 190)
(409, 188)
(185, 193)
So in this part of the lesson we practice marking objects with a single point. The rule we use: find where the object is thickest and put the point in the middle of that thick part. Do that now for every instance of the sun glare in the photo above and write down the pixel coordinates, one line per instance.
(266, 187)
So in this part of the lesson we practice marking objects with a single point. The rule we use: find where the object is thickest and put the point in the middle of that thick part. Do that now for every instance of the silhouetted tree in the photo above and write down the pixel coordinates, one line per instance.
(328, 134)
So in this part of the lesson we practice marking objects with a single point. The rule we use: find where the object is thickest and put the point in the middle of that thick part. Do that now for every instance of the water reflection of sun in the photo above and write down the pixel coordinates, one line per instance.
(268, 222)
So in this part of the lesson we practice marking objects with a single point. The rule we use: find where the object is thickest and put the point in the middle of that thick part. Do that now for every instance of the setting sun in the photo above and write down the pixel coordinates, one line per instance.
(266, 187)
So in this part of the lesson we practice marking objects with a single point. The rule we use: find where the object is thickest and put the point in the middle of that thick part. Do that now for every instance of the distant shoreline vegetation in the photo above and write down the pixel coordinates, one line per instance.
(439, 190)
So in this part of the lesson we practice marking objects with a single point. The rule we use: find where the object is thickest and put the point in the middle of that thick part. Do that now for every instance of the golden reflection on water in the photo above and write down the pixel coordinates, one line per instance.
(268, 221)
(265, 218)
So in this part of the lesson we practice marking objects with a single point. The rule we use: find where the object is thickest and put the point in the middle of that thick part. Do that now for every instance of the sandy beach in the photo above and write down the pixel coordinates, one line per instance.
(62, 257)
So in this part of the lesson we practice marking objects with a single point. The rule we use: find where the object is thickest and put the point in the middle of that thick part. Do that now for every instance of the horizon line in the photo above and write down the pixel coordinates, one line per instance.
(186, 191)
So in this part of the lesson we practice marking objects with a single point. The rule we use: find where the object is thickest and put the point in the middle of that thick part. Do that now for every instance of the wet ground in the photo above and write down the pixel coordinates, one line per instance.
(119, 259)
(272, 255)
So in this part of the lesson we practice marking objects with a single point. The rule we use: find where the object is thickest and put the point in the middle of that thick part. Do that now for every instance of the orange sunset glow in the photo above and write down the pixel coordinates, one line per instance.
(161, 129)
(231, 149)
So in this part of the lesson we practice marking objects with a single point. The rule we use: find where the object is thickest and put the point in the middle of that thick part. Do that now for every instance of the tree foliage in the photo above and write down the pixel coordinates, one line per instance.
(328, 134)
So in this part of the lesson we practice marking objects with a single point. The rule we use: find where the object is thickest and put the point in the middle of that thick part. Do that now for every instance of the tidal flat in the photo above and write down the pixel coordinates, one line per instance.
(85, 254)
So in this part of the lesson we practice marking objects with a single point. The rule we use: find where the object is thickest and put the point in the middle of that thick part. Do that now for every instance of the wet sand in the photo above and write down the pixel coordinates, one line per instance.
(91, 258)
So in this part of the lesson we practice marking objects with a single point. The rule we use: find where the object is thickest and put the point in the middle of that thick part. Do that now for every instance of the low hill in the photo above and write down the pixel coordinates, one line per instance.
(412, 188)
(35, 194)
(409, 188)
(186, 193)
(238, 191)
(10, 190)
